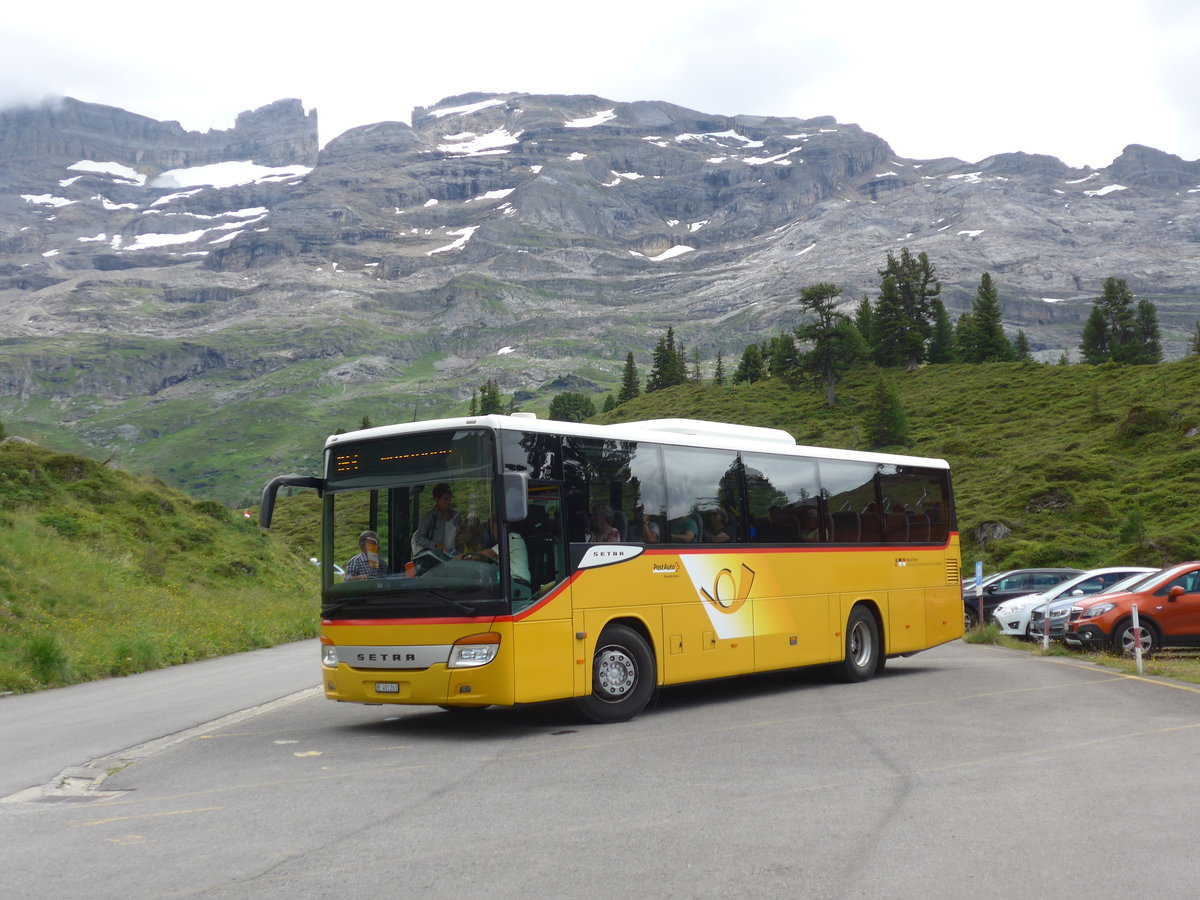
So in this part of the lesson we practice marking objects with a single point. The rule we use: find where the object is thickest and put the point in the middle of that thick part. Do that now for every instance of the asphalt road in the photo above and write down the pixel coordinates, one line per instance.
(964, 771)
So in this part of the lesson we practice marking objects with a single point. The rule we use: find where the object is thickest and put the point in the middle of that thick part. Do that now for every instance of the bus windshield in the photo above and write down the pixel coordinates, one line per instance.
(411, 521)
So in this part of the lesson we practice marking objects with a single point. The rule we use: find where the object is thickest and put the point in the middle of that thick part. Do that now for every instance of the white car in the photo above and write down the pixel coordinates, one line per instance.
(1013, 615)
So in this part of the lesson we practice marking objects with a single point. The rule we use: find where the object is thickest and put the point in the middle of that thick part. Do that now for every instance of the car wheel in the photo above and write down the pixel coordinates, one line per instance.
(1123, 640)
(969, 619)
(623, 676)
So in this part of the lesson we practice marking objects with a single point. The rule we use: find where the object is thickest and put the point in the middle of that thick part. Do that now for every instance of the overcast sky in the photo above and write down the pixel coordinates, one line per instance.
(933, 78)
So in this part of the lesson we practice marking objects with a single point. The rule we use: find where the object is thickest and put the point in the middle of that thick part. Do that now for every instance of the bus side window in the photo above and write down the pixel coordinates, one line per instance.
(704, 494)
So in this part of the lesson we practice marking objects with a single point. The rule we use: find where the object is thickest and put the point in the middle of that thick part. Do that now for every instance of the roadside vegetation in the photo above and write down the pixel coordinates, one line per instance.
(104, 574)
(1180, 665)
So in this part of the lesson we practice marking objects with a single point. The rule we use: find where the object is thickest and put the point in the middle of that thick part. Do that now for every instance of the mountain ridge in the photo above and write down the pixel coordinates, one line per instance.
(208, 273)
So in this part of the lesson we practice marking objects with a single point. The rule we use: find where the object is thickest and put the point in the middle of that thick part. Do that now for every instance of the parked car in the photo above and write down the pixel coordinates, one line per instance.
(1060, 609)
(337, 570)
(1013, 615)
(1168, 611)
(1007, 585)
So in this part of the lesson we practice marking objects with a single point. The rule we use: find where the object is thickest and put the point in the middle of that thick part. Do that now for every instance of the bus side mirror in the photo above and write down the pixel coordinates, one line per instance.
(516, 496)
(266, 504)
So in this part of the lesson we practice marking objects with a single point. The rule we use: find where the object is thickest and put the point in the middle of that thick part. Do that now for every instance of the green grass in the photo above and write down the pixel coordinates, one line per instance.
(103, 573)
(1178, 664)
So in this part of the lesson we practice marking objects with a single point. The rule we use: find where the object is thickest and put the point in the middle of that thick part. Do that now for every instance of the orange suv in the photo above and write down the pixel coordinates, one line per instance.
(1168, 612)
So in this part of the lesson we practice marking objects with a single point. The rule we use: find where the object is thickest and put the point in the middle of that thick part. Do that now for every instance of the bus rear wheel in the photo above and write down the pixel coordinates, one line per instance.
(623, 676)
(862, 646)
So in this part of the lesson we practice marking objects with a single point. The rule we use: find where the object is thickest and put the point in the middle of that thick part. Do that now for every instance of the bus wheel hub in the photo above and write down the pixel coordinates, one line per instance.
(615, 672)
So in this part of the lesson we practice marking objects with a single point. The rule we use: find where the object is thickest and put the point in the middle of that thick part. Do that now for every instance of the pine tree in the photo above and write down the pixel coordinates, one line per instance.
(630, 380)
(1194, 346)
(474, 403)
(942, 347)
(571, 407)
(864, 321)
(750, 369)
(784, 359)
(610, 403)
(1116, 330)
(887, 423)
(489, 399)
(1021, 348)
(990, 343)
(1093, 342)
(366, 422)
(1148, 336)
(902, 321)
(669, 366)
(835, 343)
(719, 372)
(888, 324)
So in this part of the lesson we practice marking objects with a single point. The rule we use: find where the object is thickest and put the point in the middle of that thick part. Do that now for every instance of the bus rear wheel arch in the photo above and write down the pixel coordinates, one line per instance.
(623, 676)
(864, 645)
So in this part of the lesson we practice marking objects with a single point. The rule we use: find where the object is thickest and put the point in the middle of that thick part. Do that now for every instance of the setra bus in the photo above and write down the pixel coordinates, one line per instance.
(601, 562)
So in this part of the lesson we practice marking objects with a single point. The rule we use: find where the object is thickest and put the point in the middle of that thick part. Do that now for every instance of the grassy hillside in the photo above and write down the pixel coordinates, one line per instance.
(1052, 465)
(103, 573)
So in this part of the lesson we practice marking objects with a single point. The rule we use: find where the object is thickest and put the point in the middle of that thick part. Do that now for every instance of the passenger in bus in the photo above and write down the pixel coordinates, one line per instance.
(436, 537)
(368, 563)
(645, 530)
(602, 530)
(718, 530)
(683, 530)
(475, 534)
(810, 523)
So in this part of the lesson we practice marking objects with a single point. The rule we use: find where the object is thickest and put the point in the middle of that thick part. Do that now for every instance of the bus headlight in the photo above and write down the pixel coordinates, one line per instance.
(329, 654)
(474, 650)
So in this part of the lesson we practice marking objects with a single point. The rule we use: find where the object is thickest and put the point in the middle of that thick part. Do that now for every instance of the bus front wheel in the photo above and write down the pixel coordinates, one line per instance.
(623, 676)
(862, 646)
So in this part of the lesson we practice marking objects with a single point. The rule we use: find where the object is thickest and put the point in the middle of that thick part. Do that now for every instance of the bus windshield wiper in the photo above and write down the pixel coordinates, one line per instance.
(452, 602)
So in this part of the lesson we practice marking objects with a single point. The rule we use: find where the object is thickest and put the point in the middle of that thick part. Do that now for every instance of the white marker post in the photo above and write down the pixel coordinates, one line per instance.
(1046, 627)
(979, 592)
(1137, 640)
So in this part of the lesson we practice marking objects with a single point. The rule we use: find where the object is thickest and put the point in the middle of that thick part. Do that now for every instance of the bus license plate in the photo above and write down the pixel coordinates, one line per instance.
(386, 687)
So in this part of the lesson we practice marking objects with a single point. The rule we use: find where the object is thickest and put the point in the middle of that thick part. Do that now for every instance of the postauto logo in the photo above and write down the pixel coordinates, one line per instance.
(723, 583)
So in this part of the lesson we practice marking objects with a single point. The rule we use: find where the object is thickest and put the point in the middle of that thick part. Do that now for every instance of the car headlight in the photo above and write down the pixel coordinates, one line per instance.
(1098, 610)
(474, 650)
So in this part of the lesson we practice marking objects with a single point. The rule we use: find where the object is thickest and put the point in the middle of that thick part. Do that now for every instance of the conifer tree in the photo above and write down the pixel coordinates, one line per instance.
(835, 343)
(1194, 346)
(474, 403)
(1148, 336)
(942, 347)
(1021, 348)
(719, 372)
(610, 403)
(630, 380)
(989, 343)
(1116, 330)
(750, 369)
(489, 399)
(669, 366)
(887, 423)
(571, 407)
(902, 321)
(864, 321)
(784, 359)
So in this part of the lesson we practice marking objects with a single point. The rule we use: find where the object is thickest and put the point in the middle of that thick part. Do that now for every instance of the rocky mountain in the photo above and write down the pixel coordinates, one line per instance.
(202, 304)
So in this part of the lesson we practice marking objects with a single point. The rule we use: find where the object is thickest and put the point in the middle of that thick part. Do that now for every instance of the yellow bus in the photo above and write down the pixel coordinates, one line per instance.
(502, 560)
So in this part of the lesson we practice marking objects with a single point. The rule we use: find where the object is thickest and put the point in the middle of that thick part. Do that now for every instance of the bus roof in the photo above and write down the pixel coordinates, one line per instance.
(681, 432)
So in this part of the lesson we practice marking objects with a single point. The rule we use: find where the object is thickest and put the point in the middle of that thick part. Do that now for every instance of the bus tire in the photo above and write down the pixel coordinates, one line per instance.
(623, 676)
(862, 646)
